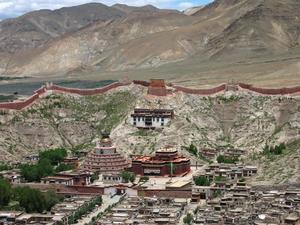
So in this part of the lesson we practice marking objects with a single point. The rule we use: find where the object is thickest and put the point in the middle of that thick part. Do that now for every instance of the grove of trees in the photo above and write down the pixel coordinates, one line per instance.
(49, 163)
(276, 150)
(30, 200)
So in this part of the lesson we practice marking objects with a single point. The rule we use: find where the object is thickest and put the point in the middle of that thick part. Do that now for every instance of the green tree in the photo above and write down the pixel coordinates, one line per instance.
(63, 167)
(192, 149)
(45, 168)
(128, 176)
(188, 219)
(51, 199)
(30, 172)
(227, 159)
(55, 156)
(132, 177)
(94, 177)
(30, 199)
(144, 179)
(5, 192)
(202, 181)
(33, 173)
(277, 150)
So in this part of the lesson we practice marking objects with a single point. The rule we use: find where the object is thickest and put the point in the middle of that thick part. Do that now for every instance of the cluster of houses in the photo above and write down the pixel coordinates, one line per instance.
(146, 211)
(59, 214)
(222, 177)
(248, 206)
(210, 153)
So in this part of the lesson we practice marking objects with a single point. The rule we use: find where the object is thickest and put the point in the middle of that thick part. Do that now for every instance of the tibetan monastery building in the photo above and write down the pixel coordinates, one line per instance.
(151, 118)
(166, 162)
(105, 159)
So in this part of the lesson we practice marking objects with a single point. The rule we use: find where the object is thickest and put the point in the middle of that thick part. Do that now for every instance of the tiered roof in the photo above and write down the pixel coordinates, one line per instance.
(105, 158)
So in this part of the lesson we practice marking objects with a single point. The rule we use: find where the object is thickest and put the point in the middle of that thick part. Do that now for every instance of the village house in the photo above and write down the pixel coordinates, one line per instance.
(69, 178)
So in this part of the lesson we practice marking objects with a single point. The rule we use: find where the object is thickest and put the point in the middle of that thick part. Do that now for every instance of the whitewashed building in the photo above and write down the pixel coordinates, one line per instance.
(151, 118)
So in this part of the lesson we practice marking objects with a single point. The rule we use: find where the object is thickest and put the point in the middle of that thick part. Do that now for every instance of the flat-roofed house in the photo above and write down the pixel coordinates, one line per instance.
(151, 118)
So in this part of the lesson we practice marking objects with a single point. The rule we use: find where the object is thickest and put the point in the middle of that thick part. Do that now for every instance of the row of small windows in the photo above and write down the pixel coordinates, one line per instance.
(139, 119)
(112, 178)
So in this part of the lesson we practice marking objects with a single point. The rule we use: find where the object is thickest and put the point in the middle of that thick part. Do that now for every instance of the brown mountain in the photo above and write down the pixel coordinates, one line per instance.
(127, 38)
(272, 27)
(36, 28)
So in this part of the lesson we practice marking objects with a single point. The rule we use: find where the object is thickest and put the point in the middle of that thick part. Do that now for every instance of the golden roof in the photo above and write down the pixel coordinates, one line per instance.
(105, 140)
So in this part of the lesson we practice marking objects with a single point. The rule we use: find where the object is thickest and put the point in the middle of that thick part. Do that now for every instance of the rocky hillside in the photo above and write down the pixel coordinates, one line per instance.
(236, 120)
(61, 120)
(122, 38)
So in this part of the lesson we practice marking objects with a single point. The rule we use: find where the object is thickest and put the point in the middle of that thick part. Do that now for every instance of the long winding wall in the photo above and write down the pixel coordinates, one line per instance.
(270, 91)
(85, 92)
(210, 91)
(18, 105)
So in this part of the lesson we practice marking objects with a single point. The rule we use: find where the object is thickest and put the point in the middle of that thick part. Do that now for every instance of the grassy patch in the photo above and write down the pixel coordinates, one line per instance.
(232, 98)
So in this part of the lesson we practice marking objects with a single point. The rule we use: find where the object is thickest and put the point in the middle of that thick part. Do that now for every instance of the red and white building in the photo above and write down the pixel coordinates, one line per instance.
(166, 162)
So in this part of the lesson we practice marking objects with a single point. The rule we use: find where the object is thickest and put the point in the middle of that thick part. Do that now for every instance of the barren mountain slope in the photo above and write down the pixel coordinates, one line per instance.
(225, 31)
(273, 27)
(96, 43)
(143, 39)
(36, 28)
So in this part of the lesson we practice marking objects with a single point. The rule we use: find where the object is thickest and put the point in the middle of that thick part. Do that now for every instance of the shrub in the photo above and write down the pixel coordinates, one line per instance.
(202, 181)
(128, 176)
(226, 159)
(277, 150)
(5, 192)
(144, 179)
(192, 149)
(188, 219)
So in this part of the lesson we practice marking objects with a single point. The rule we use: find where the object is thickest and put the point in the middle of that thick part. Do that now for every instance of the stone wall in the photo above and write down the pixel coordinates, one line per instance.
(271, 91)
(18, 105)
(210, 91)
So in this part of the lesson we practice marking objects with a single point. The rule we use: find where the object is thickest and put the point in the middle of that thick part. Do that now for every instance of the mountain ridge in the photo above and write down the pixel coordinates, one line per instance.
(137, 38)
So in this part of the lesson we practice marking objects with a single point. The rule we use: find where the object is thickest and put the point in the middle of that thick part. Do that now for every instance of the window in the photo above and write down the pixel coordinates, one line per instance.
(134, 123)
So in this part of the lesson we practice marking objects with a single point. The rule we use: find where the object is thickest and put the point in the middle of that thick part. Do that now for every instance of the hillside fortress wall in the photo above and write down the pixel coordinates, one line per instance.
(39, 93)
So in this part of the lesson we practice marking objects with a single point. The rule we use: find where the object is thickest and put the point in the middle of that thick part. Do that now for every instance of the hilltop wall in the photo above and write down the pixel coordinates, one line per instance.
(85, 92)
(270, 91)
(210, 91)
(18, 105)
